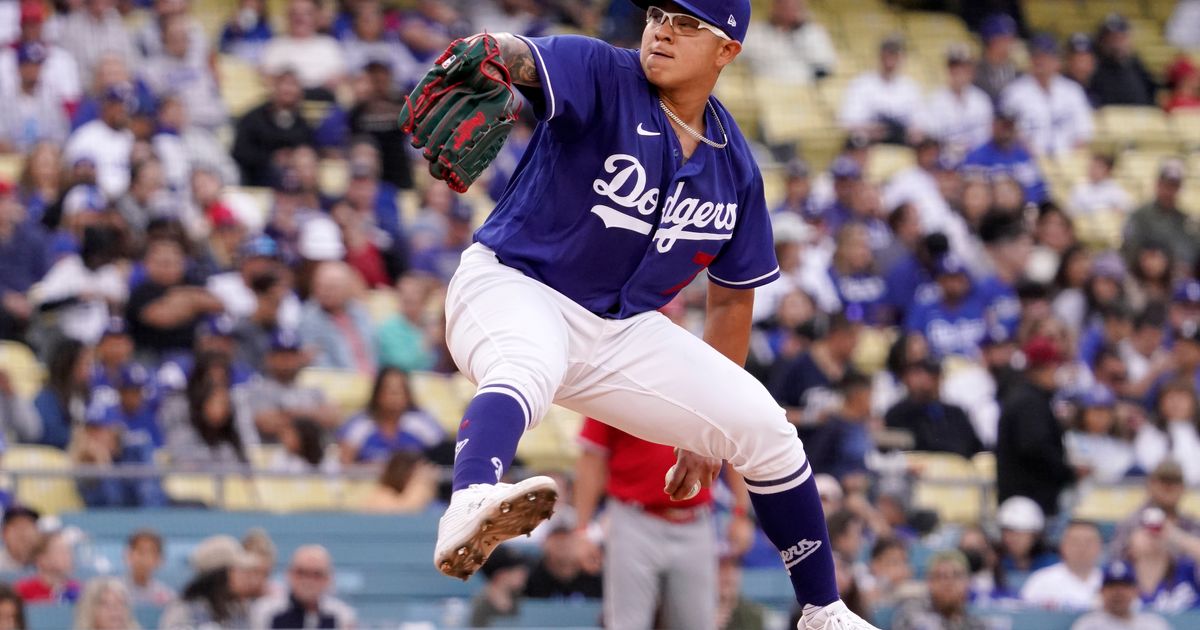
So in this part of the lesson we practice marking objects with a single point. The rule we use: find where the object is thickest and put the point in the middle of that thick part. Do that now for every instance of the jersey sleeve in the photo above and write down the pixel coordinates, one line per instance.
(574, 72)
(748, 260)
(594, 435)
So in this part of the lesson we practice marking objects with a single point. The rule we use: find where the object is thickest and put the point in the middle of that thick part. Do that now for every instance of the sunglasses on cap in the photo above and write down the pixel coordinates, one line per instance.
(683, 24)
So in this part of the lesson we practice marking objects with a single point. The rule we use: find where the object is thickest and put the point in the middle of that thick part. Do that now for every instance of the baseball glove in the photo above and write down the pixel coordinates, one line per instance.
(462, 111)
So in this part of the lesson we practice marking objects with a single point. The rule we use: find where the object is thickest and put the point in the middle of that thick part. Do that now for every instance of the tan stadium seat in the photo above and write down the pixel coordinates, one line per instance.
(441, 396)
(1126, 125)
(11, 166)
(886, 160)
(1185, 124)
(1140, 164)
(552, 444)
(191, 487)
(333, 177)
(282, 494)
(381, 305)
(22, 367)
(940, 466)
(1109, 503)
(954, 503)
(347, 389)
(48, 495)
(242, 87)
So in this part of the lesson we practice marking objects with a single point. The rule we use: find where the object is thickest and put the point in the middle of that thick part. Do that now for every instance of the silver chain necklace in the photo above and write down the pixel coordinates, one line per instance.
(696, 134)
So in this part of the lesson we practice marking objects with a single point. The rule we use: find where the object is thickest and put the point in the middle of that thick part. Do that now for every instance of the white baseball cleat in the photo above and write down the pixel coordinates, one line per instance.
(481, 516)
(834, 616)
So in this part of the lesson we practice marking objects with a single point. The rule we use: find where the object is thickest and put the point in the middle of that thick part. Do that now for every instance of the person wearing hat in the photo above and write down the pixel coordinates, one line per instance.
(104, 442)
(1183, 79)
(945, 607)
(955, 322)
(1118, 608)
(1006, 155)
(1100, 193)
(34, 112)
(1080, 63)
(1022, 549)
(1073, 582)
(882, 103)
(107, 140)
(258, 265)
(790, 47)
(373, 198)
(1121, 78)
(935, 426)
(60, 72)
(1031, 458)
(996, 70)
(19, 531)
(959, 114)
(1093, 442)
(1165, 489)
(217, 594)
(376, 115)
(133, 395)
(1007, 245)
(1053, 113)
(276, 125)
(1163, 221)
(277, 400)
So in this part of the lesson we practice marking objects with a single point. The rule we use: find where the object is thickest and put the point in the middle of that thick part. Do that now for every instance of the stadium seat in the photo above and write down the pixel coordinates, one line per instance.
(941, 466)
(1123, 125)
(191, 487)
(22, 367)
(552, 444)
(1109, 503)
(381, 305)
(439, 395)
(346, 389)
(11, 166)
(886, 160)
(49, 495)
(242, 87)
(953, 502)
(251, 204)
(333, 176)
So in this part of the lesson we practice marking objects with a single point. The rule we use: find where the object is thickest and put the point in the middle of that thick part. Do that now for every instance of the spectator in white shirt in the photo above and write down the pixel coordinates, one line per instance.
(790, 47)
(1073, 583)
(1053, 113)
(882, 103)
(1118, 596)
(368, 41)
(960, 114)
(1100, 193)
(172, 70)
(316, 59)
(1183, 27)
(33, 113)
(107, 141)
(150, 40)
(60, 73)
(94, 30)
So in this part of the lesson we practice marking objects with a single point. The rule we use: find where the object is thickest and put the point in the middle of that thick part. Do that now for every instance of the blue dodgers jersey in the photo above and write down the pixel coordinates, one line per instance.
(603, 209)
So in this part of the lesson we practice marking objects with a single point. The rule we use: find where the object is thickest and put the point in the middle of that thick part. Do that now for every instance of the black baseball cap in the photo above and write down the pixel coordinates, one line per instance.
(15, 512)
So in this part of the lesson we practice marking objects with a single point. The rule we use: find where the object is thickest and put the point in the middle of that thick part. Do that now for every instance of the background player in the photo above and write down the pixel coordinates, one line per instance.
(635, 181)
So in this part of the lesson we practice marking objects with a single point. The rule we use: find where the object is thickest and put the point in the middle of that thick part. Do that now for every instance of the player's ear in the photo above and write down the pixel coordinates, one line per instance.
(728, 51)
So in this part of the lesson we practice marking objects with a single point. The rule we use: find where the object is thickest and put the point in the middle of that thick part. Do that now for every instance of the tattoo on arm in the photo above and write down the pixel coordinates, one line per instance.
(519, 59)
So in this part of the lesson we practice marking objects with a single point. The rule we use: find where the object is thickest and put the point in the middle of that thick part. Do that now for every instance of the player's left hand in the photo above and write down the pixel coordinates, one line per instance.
(740, 535)
(690, 473)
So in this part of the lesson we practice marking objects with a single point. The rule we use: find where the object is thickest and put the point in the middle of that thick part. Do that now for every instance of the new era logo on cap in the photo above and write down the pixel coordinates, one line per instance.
(732, 21)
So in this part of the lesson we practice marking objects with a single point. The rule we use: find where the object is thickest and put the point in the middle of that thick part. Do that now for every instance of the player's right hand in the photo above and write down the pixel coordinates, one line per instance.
(690, 473)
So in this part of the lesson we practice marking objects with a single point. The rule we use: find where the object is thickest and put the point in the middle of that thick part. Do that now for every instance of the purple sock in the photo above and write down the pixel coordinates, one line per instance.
(795, 523)
(487, 438)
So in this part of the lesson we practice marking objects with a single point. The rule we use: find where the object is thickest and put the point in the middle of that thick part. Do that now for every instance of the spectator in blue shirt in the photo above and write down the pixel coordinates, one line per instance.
(804, 385)
(955, 323)
(137, 407)
(247, 32)
(23, 251)
(1004, 155)
(391, 422)
(63, 399)
(102, 442)
(853, 275)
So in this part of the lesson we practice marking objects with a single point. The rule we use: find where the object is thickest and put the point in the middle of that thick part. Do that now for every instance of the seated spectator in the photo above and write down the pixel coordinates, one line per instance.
(189, 153)
(1118, 604)
(147, 198)
(1164, 560)
(369, 250)
(144, 557)
(277, 400)
(93, 30)
(308, 601)
(804, 385)
(101, 443)
(61, 72)
(113, 74)
(1121, 78)
(1095, 443)
(441, 258)
(1143, 351)
(1163, 221)
(176, 70)
(1183, 79)
(217, 595)
(23, 249)
(54, 567)
(406, 485)
(316, 59)
(391, 422)
(1030, 455)
(208, 423)
(247, 32)
(997, 68)
(257, 581)
(107, 141)
(889, 570)
(63, 398)
(374, 199)
(401, 340)
(946, 606)
(1074, 582)
(41, 182)
(734, 611)
(12, 609)
(1100, 193)
(334, 324)
(506, 572)
(35, 112)
(19, 532)
(1022, 548)
(958, 115)
(164, 310)
(278, 124)
(955, 323)
(1080, 63)
(304, 449)
(1005, 155)
(376, 115)
(840, 444)
(104, 605)
(790, 46)
(934, 425)
(855, 284)
(882, 103)
(561, 572)
(1053, 112)
(370, 42)
(259, 271)
(1174, 432)
(1164, 492)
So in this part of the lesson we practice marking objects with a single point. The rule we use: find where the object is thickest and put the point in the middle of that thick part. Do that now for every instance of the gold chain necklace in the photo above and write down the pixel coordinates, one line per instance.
(696, 134)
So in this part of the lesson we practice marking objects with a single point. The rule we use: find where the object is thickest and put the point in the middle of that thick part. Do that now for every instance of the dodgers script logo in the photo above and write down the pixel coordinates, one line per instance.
(682, 217)
(798, 552)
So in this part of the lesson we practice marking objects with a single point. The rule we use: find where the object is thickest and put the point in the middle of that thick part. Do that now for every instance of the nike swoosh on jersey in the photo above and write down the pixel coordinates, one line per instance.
(644, 132)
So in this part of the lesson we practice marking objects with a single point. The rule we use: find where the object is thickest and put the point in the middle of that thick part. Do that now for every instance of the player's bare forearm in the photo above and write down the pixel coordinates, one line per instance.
(591, 473)
(727, 321)
(518, 58)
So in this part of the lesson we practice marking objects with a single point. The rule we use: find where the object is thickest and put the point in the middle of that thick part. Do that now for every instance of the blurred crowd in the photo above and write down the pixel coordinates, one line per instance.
(177, 268)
